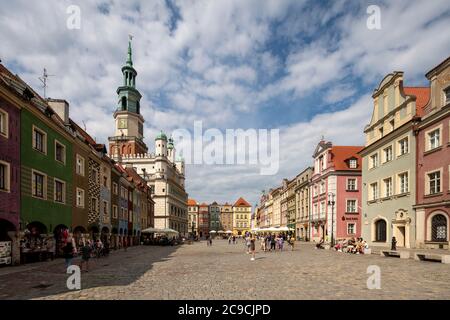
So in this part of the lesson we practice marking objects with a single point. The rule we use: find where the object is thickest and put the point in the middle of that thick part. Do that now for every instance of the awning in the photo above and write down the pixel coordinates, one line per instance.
(155, 230)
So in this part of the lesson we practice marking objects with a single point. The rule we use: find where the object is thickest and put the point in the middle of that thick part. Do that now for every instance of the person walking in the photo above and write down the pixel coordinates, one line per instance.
(86, 251)
(68, 252)
(292, 242)
(394, 244)
(229, 240)
(252, 247)
(125, 243)
(210, 241)
(272, 243)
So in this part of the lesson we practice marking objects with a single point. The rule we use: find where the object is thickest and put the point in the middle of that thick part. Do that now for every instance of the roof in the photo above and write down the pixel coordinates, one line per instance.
(341, 155)
(161, 136)
(422, 95)
(204, 204)
(241, 202)
(191, 202)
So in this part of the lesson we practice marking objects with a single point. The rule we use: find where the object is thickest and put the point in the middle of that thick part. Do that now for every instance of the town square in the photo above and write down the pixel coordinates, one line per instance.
(225, 150)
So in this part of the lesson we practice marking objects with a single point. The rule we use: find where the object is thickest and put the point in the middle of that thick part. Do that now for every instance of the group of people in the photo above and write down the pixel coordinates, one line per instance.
(87, 249)
(355, 246)
(272, 242)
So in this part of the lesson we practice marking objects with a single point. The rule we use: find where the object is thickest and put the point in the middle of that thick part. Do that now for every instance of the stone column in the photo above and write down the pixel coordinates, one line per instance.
(15, 247)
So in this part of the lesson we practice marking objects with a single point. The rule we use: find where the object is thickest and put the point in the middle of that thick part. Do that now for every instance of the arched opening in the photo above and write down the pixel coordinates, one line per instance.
(380, 230)
(94, 232)
(123, 103)
(439, 227)
(5, 227)
(104, 235)
(78, 235)
(36, 228)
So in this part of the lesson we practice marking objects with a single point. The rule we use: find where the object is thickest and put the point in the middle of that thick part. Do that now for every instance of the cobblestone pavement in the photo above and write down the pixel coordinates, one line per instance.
(225, 272)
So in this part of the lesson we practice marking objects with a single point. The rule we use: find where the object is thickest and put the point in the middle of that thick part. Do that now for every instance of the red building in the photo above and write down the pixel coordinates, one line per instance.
(433, 163)
(203, 220)
(336, 192)
(10, 102)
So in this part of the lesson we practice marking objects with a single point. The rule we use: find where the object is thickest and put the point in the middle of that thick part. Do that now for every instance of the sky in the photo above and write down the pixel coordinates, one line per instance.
(306, 68)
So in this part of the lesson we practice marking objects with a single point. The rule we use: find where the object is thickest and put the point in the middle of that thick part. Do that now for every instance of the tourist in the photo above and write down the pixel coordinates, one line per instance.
(281, 242)
(252, 247)
(210, 241)
(319, 245)
(125, 243)
(234, 239)
(86, 251)
(51, 248)
(229, 240)
(292, 242)
(68, 252)
(272, 243)
(263, 244)
(248, 243)
(394, 244)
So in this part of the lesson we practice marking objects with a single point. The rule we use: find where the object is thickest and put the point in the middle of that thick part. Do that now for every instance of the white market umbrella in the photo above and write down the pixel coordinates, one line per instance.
(220, 231)
(151, 230)
(212, 231)
(229, 231)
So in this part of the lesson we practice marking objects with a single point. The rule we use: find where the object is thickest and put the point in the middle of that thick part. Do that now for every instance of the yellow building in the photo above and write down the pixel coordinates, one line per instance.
(242, 212)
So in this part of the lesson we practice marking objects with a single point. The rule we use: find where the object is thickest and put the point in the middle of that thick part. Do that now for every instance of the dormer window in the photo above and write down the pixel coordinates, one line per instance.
(352, 163)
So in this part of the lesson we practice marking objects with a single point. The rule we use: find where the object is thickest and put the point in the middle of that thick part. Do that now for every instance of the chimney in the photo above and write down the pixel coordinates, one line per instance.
(61, 107)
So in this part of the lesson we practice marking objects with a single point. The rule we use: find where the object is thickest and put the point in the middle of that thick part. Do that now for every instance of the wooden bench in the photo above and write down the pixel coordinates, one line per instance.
(397, 254)
(443, 258)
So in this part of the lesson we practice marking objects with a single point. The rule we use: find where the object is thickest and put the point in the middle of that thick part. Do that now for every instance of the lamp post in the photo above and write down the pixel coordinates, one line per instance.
(331, 203)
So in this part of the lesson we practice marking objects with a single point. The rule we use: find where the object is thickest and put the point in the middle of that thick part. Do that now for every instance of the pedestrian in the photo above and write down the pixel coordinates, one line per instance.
(292, 242)
(248, 243)
(229, 240)
(234, 239)
(86, 251)
(281, 243)
(125, 244)
(51, 248)
(252, 247)
(263, 244)
(272, 243)
(394, 244)
(210, 241)
(68, 252)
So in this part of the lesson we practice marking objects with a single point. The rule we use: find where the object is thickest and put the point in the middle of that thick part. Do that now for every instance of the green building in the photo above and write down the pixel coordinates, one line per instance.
(47, 171)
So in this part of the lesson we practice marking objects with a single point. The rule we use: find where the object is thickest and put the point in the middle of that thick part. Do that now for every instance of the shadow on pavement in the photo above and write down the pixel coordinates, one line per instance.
(120, 268)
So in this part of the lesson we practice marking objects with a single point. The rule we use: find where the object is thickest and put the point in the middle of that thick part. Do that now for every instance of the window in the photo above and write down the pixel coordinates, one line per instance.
(351, 184)
(434, 139)
(4, 123)
(322, 187)
(105, 208)
(380, 231)
(4, 176)
(351, 206)
(374, 160)
(80, 165)
(434, 182)
(60, 152)
(351, 228)
(403, 146)
(94, 205)
(387, 154)
(439, 228)
(403, 182)
(115, 188)
(39, 140)
(80, 198)
(387, 187)
(353, 163)
(95, 176)
(381, 132)
(130, 215)
(105, 181)
(374, 190)
(59, 191)
(38, 184)
(392, 124)
(447, 95)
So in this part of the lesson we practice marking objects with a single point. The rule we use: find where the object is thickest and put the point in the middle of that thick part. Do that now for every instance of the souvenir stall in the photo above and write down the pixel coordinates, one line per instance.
(5, 252)
(34, 245)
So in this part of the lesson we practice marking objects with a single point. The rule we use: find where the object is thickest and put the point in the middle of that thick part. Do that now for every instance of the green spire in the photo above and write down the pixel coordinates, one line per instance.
(129, 58)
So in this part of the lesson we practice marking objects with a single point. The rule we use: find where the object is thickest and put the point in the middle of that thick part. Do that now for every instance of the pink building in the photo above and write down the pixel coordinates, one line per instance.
(433, 163)
(336, 192)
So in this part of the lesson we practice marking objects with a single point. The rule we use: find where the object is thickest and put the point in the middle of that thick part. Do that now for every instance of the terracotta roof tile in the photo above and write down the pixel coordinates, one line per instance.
(241, 202)
(192, 202)
(343, 153)
(422, 95)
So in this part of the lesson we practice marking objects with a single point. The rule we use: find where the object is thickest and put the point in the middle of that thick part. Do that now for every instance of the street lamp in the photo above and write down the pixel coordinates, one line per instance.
(331, 203)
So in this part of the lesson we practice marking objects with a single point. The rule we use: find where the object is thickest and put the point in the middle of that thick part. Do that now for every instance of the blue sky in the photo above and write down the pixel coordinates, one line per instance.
(306, 68)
